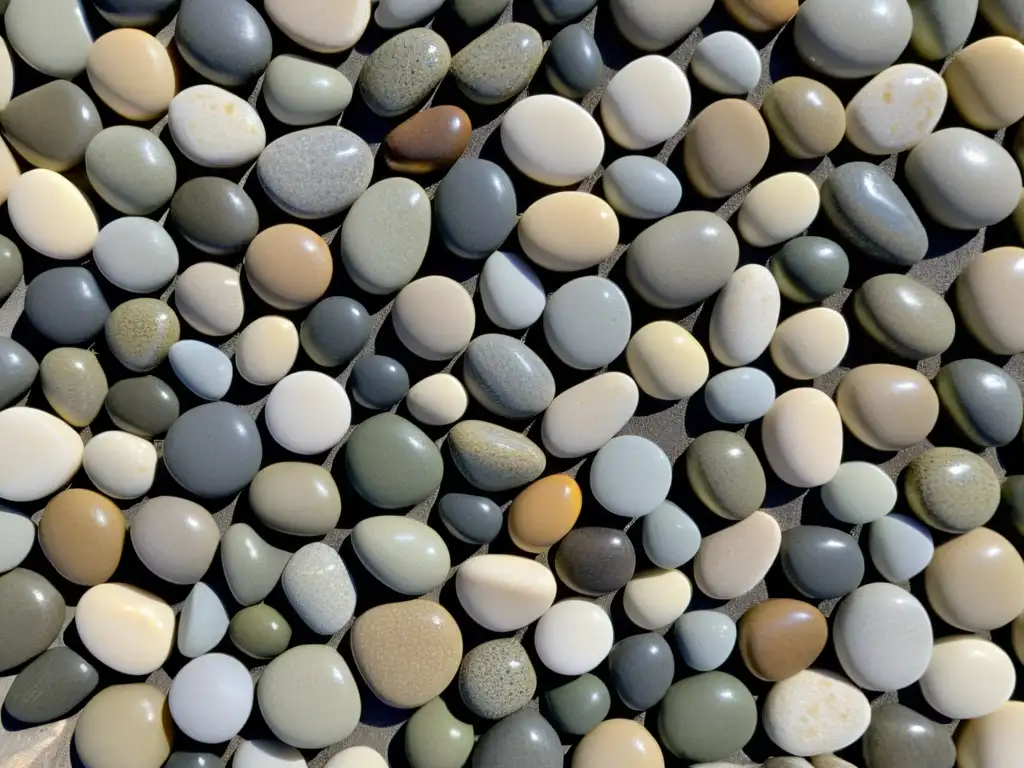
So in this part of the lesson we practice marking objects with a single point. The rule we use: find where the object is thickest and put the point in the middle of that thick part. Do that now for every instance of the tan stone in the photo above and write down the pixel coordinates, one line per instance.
(762, 15)
(289, 266)
(993, 741)
(40, 197)
(731, 562)
(986, 82)
(888, 407)
(126, 628)
(616, 744)
(266, 350)
(657, 597)
(434, 317)
(544, 512)
(780, 637)
(802, 435)
(778, 209)
(324, 26)
(725, 147)
(806, 116)
(568, 231)
(810, 343)
(132, 73)
(666, 361)
(125, 726)
(988, 294)
(82, 535)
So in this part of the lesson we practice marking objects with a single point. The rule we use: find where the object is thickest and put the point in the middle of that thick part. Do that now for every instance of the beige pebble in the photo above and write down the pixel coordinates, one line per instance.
(504, 593)
(888, 407)
(6, 74)
(988, 295)
(125, 726)
(324, 27)
(126, 628)
(618, 743)
(810, 343)
(806, 116)
(569, 231)
(585, 417)
(986, 82)
(778, 209)
(731, 562)
(896, 109)
(119, 464)
(437, 400)
(353, 757)
(803, 437)
(41, 454)
(41, 197)
(762, 15)
(208, 296)
(9, 171)
(132, 73)
(745, 315)
(434, 317)
(968, 677)
(552, 140)
(993, 741)
(646, 102)
(814, 712)
(266, 350)
(288, 266)
(725, 147)
(666, 361)
(657, 597)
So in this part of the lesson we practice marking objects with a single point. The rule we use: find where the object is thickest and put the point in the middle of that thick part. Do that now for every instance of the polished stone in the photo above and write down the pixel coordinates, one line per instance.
(524, 738)
(266, 350)
(125, 725)
(404, 554)
(859, 493)
(131, 169)
(413, 470)
(496, 66)
(51, 687)
(11, 267)
(125, 628)
(707, 717)
(32, 614)
(587, 322)
(175, 538)
(214, 215)
(66, 305)
(493, 458)
(120, 465)
(666, 361)
(641, 670)
(225, 41)
(213, 450)
(434, 317)
(488, 189)
(504, 593)
(806, 116)
(511, 293)
(802, 436)
(295, 497)
(19, 369)
(815, 712)
(334, 331)
(302, 92)
(725, 148)
(810, 343)
(379, 382)
(51, 126)
(434, 738)
(896, 109)
(308, 412)
(497, 678)
(983, 400)
(251, 566)
(726, 62)
(887, 407)
(17, 535)
(821, 562)
(40, 194)
(704, 639)
(144, 406)
(544, 512)
(630, 476)
(651, 25)
(320, 28)
(472, 519)
(403, 71)
(288, 266)
(645, 103)
(215, 128)
(568, 231)
(202, 368)
(319, 588)
(428, 141)
(726, 474)
(810, 269)
(260, 631)
(558, 158)
(641, 187)
(141, 332)
(82, 535)
(951, 489)
(577, 707)
(974, 77)
(900, 547)
(847, 41)
(42, 454)
(52, 36)
(904, 316)
(968, 677)
(573, 636)
(670, 536)
(208, 296)
(574, 63)
(595, 561)
(739, 395)
(202, 623)
(211, 698)
(74, 384)
(136, 254)
(986, 292)
(437, 400)
(732, 561)
(765, 221)
(940, 27)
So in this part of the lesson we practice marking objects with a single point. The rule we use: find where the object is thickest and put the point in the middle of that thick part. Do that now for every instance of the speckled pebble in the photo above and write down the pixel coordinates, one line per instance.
(595, 561)
(140, 333)
(507, 377)
(497, 678)
(319, 588)
(493, 458)
(952, 489)
(74, 384)
(498, 64)
(403, 71)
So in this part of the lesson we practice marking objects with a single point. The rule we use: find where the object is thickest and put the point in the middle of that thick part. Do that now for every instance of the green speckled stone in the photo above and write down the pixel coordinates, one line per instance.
(983, 400)
(434, 738)
(74, 384)
(260, 631)
(497, 678)
(707, 717)
(1013, 498)
(494, 458)
(578, 706)
(403, 72)
(392, 463)
(140, 333)
(810, 269)
(498, 64)
(951, 489)
(904, 316)
(726, 474)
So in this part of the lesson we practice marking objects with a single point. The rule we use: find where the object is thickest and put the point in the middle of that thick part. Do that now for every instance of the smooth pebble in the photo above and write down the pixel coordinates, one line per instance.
(203, 622)
(201, 367)
(645, 103)
(288, 266)
(705, 639)
(225, 41)
(295, 497)
(568, 231)
(707, 717)
(132, 73)
(120, 464)
(414, 468)
(859, 493)
(587, 322)
(968, 677)
(302, 92)
(585, 417)
(266, 350)
(334, 331)
(211, 698)
(574, 63)
(810, 343)
(900, 547)
(213, 450)
(214, 128)
(810, 268)
(493, 458)
(726, 474)
(595, 561)
(404, 554)
(732, 561)
(499, 64)
(985, 295)
(145, 406)
(559, 157)
(428, 141)
(214, 215)
(437, 400)
(641, 668)
(511, 293)
(321, 28)
(951, 489)
(307, 412)
(403, 71)
(802, 434)
(896, 109)
(504, 593)
(573, 637)
(127, 629)
(887, 407)
(739, 395)
(670, 536)
(472, 519)
(763, 222)
(651, 25)
(630, 476)
(655, 598)
(35, 199)
(136, 254)
(74, 384)
(814, 712)
(806, 116)
(726, 62)
(319, 588)
(434, 317)
(745, 315)
(43, 454)
(851, 41)
(905, 316)
(52, 36)
(251, 566)
(983, 400)
(725, 147)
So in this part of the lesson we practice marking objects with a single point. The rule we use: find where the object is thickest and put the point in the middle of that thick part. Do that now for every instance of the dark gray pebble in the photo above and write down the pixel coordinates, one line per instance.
(11, 267)
(578, 706)
(574, 66)
(31, 616)
(899, 737)
(134, 13)
(225, 41)
(335, 330)
(472, 519)
(821, 562)
(379, 382)
(1013, 499)
(522, 740)
(50, 687)
(595, 561)
(641, 668)
(641, 187)
(215, 215)
(810, 269)
(145, 406)
(561, 11)
(476, 13)
(483, 188)
(18, 370)
(52, 125)
(983, 400)
(193, 760)
(507, 377)
(66, 305)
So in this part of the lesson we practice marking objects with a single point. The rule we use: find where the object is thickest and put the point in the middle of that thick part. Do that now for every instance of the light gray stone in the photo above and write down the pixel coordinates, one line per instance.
(319, 588)
(587, 322)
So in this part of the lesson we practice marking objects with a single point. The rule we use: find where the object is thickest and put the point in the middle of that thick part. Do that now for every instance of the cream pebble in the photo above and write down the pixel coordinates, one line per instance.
(9, 171)
(437, 400)
(569, 231)
(968, 677)
(815, 712)
(324, 27)
(357, 757)
(308, 412)
(266, 350)
(666, 361)
(993, 741)
(120, 465)
(39, 198)
(778, 209)
(656, 598)
(128, 629)
(802, 435)
(731, 562)
(6, 75)
(434, 317)
(585, 417)
(988, 295)
(504, 593)
(745, 315)
(896, 109)
(214, 128)
(810, 343)
(646, 103)
(552, 140)
(208, 296)
(984, 82)
(573, 637)
(41, 454)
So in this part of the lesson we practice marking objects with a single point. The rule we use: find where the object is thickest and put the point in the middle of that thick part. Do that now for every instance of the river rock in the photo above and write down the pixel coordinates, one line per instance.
(379, 382)
(202, 368)
(12, 268)
(434, 317)
(798, 719)
(806, 116)
(428, 141)
(579, 706)
(968, 677)
(324, 29)
(821, 562)
(493, 458)
(940, 27)
(951, 489)
(19, 369)
(504, 593)
(707, 717)
(82, 535)
(641, 669)
(497, 678)
(125, 725)
(641, 187)
(900, 547)
(641, 117)
(43, 454)
(288, 266)
(208, 296)
(666, 361)
(561, 157)
(811, 343)
(524, 734)
(251, 566)
(618, 742)
(51, 126)
(651, 25)
(739, 396)
(670, 537)
(991, 741)
(705, 639)
(585, 417)
(404, 554)
(302, 92)
(203, 622)
(40, 194)
(403, 71)
(17, 534)
(434, 738)
(1005, 17)
(52, 36)
(511, 293)
(984, 401)
(214, 215)
(573, 637)
(823, 37)
(120, 465)
(656, 598)
(307, 412)
(214, 128)
(486, 187)
(507, 377)
(984, 293)
(227, 43)
(51, 687)
(211, 698)
(732, 561)
(859, 493)
(587, 322)
(136, 254)
(971, 77)
(266, 350)
(33, 615)
(574, 64)
(568, 231)
(726, 62)
(127, 629)
(319, 588)
(630, 476)
(810, 269)
(726, 475)
(544, 512)
(803, 438)
(335, 331)
(472, 519)
(144, 406)
(414, 466)
(763, 222)
(780, 637)
(898, 735)
(896, 109)
(260, 631)
(437, 400)
(74, 384)
(499, 64)
(725, 148)
(213, 450)
(175, 538)
(904, 316)
(745, 315)
(296, 498)
(888, 407)
(595, 561)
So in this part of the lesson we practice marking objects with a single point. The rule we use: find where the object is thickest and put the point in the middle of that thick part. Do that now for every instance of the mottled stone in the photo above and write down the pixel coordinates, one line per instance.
(574, 65)
(141, 332)
(493, 458)
(595, 561)
(670, 537)
(497, 678)
(577, 707)
(434, 738)
(815, 712)
(51, 687)
(705, 639)
(896, 109)
(66, 306)
(983, 400)
(851, 41)
(520, 740)
(641, 670)
(33, 615)
(412, 471)
(952, 489)
(213, 450)
(485, 187)
(334, 331)
(404, 71)
(806, 116)
(707, 717)
(507, 377)
(51, 126)
(498, 64)
(319, 588)
(821, 562)
(74, 384)
(215, 128)
(725, 148)
(214, 215)
(726, 474)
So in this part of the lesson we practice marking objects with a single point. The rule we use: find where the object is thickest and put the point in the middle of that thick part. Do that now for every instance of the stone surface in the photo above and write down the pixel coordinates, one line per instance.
(125, 725)
(983, 400)
(991, 741)
(125, 628)
(488, 189)
(396, 14)
(666, 361)
(507, 377)
(732, 561)
(1004, 16)
(618, 742)
(19, 369)
(131, 169)
(324, 29)
(288, 266)
(574, 64)
(295, 497)
(745, 314)
(810, 343)
(888, 407)
(17, 535)
(573, 636)
(226, 42)
(825, 37)
(266, 350)
(303, 92)
(403, 71)
(577, 707)
(144, 406)
(809, 269)
(202, 368)
(175, 538)
(260, 631)
(40, 194)
(504, 593)
(725, 148)
(132, 74)
(951, 489)
(904, 316)
(815, 712)
(941, 27)
(803, 438)
(413, 470)
(586, 416)
(726, 62)
(641, 670)
(984, 294)
(896, 109)
(267, 753)
(319, 588)
(404, 554)
(74, 384)
(900, 736)
(428, 141)
(136, 254)
(806, 116)
(655, 598)
(120, 465)
(50, 687)
(739, 396)
(211, 698)
(334, 331)
(900, 547)
(524, 738)
(33, 615)
(975, 78)
(561, 157)
(493, 458)
(821, 562)
(707, 717)
(251, 566)
(213, 450)
(214, 128)
(82, 535)
(437, 400)
(208, 296)
(859, 493)
(308, 412)
(641, 187)
(968, 677)
(781, 637)
(511, 293)
(670, 537)
(203, 622)
(496, 66)
(645, 103)
(587, 322)
(595, 561)
(472, 519)
(51, 36)
(764, 222)
(651, 25)
(51, 126)
(544, 512)
(434, 738)
(704, 639)
(43, 454)
(496, 679)
(568, 231)
(630, 476)
(434, 317)
(726, 474)
(214, 215)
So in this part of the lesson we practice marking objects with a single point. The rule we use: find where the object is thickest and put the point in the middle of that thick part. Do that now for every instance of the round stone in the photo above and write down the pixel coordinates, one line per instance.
(307, 412)
(42, 454)
(888, 407)
(952, 489)
(437, 400)
(991, 741)
(324, 29)
(657, 597)
(579, 706)
(202, 368)
(266, 350)
(826, 39)
(732, 561)
(764, 222)
(431, 140)
(504, 593)
(666, 361)
(985, 291)
(726, 474)
(640, 187)
(896, 109)
(802, 435)
(19, 369)
(131, 169)
(175, 538)
(859, 493)
(641, 670)
(413, 470)
(404, 554)
(814, 712)
(983, 400)
(806, 116)
(120, 465)
(725, 148)
(125, 725)
(705, 639)
(214, 215)
(17, 535)
(33, 615)
(136, 254)
(670, 537)
(586, 416)
(595, 561)
(132, 74)
(638, 117)
(810, 269)
(50, 687)
(214, 128)
(781, 637)
(821, 562)
(651, 25)
(208, 296)
(211, 698)
(51, 126)
(524, 736)
(745, 314)
(319, 588)
(904, 316)
(214, 450)
(303, 92)
(972, 76)
(472, 519)
(434, 738)
(494, 458)
(66, 305)
(404, 71)
(485, 188)
(251, 566)
(762, 15)
(810, 343)
(125, 628)
(739, 395)
(900, 547)
(552, 140)
(726, 62)
(573, 636)
(144, 406)
(574, 65)
(511, 293)
(630, 476)
(82, 535)
(568, 231)
(434, 317)
(226, 42)
(968, 677)
(507, 377)
(334, 331)
(587, 322)
(544, 512)
(74, 384)
(900, 736)
(203, 622)
(496, 66)
(497, 678)
(296, 498)
(288, 266)
(707, 717)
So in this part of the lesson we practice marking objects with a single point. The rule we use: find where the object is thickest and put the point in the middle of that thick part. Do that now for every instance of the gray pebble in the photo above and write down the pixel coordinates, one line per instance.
(11, 267)
(403, 71)
(144, 406)
(641, 670)
(379, 382)
(810, 269)
(411, 472)
(215, 215)
(595, 561)
(485, 189)
(334, 331)
(578, 706)
(251, 566)
(131, 169)
(476, 13)
(316, 172)
(726, 474)
(66, 305)
(739, 395)
(213, 450)
(201, 367)
(574, 67)
(705, 639)
(136, 13)
(319, 588)
(821, 562)
(1013, 498)
(51, 126)
(670, 536)
(472, 519)
(641, 187)
(302, 92)
(17, 536)
(493, 458)
(18, 370)
(50, 687)
(561, 11)
(136, 254)
(904, 316)
(850, 40)
(498, 64)
(587, 322)
(225, 41)
(941, 26)
(507, 377)
(31, 616)
(497, 678)
(521, 740)
(869, 210)
(898, 736)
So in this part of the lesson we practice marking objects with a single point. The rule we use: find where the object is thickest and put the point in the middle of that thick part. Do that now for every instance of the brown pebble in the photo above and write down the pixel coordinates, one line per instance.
(618, 743)
(725, 148)
(82, 535)
(428, 141)
(289, 266)
(544, 512)
(806, 116)
(780, 637)
(762, 15)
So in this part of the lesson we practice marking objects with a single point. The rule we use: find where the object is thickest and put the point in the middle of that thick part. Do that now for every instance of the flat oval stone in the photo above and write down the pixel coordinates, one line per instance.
(552, 140)
(859, 493)
(428, 141)
(472, 519)
(434, 738)
(725, 148)
(82, 535)
(763, 222)
(42, 454)
(900, 547)
(404, 554)
(493, 458)
(984, 401)
(732, 561)
(296, 498)
(214, 128)
(761, 15)
(288, 266)
(821, 562)
(324, 29)
(574, 64)
(437, 400)
(645, 103)
(334, 331)
(308, 697)
(595, 561)
(586, 416)
(319, 588)
(12, 268)
(526, 736)
(587, 322)
(963, 179)
(641, 187)
(136, 254)
(726, 474)
(651, 25)
(682, 260)
(951, 489)
(52, 36)
(144, 406)
(544, 512)
(705, 639)
(497, 678)
(670, 537)
(51, 126)
(888, 407)
(260, 631)
(985, 294)
(568, 231)
(397, 14)
(825, 38)
(127, 629)
(904, 316)
(900, 736)
(316, 172)
(403, 71)
(726, 62)
(573, 637)
(499, 64)
(208, 296)
(175, 538)
(803, 437)
(39, 195)
(991, 741)
(17, 535)
(968, 677)
(413, 470)
(780, 637)
(972, 78)
(745, 315)
(434, 317)
(810, 343)
(227, 42)
(896, 109)
(303, 92)
(125, 725)
(33, 615)
(487, 189)
(692, 705)
(379, 382)
(504, 593)
(203, 622)
(19, 369)
(666, 361)
(657, 597)
(392, 641)
(810, 269)
(739, 396)
(507, 377)
(941, 27)
(74, 384)
(579, 706)
(214, 215)
(641, 669)
(251, 566)
(630, 476)
(202, 368)
(814, 712)
(51, 687)
(211, 698)
(266, 350)
(213, 450)
(511, 293)
(308, 412)
(132, 74)
(806, 116)
(120, 465)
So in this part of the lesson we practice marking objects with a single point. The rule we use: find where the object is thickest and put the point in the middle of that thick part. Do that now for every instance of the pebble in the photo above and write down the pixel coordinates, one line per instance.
(992, 741)
(307, 412)
(900, 547)
(814, 712)
(511, 293)
(434, 317)
(497, 678)
(552, 140)
(579, 706)
(525, 738)
(407, 653)
(904, 316)
(125, 628)
(951, 489)
(121, 13)
(404, 71)
(6, 68)
(809, 269)
(485, 187)
(214, 128)
(732, 561)
(208, 296)
(985, 293)
(941, 27)
(641, 187)
(379, 382)
(267, 753)
(51, 687)
(641, 670)
(131, 72)
(214, 215)
(806, 116)
(145, 406)
(404, 554)
(745, 314)
(125, 725)
(651, 25)
(472, 519)
(586, 416)
(12, 268)
(726, 62)
(266, 350)
(707, 717)
(726, 474)
(900, 736)
(213, 450)
(319, 588)
(645, 103)
(334, 331)
(739, 396)
(398, 14)
(476, 13)
(595, 561)
(301, 92)
(194, 760)
(573, 637)
(434, 738)
(496, 66)
(968, 677)
(120, 465)
(296, 498)
(587, 322)
(618, 742)
(963, 179)
(136, 254)
(42, 454)
(568, 231)
(504, 593)
(320, 28)
(983, 400)
(308, 697)
(557, 12)
(975, 78)
(780, 637)
(288, 266)
(725, 148)
(859, 493)
(17, 535)
(357, 757)
(413, 470)
(802, 436)
(82, 535)
(51, 126)
(574, 64)
(1005, 17)
(821, 562)
(33, 615)
(507, 377)
(887, 407)
(630, 476)
(437, 400)
(971, 581)
(52, 36)
(705, 639)
(761, 15)
(810, 343)
(544, 512)
(41, 194)
(666, 361)
(656, 598)
(852, 41)
(428, 141)
(201, 367)
(260, 631)
(762, 221)
(670, 537)
(211, 697)
(226, 42)
(19, 370)
(493, 458)
(251, 566)
(896, 109)
(175, 538)
(74, 384)
(1013, 498)
(316, 172)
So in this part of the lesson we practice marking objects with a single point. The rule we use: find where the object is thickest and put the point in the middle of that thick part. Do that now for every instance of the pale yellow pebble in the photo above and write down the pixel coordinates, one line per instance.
(666, 361)
(986, 82)
(356, 757)
(896, 109)
(132, 73)
(39, 198)
(569, 231)
(993, 741)
(324, 26)
(9, 171)
(802, 436)
(731, 562)
(437, 400)
(552, 140)
(266, 350)
(656, 598)
(645, 103)
(810, 343)
(127, 629)
(968, 677)
(40, 454)
(778, 209)
(745, 315)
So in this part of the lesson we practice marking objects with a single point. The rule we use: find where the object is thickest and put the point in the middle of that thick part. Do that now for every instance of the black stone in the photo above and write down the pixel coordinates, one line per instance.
(595, 561)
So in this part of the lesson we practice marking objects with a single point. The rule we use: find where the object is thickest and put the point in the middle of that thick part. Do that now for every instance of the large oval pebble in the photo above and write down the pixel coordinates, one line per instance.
(35, 199)
(175, 538)
(640, 187)
(994, 740)
(951, 489)
(763, 221)
(745, 315)
(404, 554)
(131, 71)
(413, 470)
(225, 41)
(434, 317)
(136, 254)
(568, 231)
(651, 25)
(803, 437)
(552, 140)
(888, 407)
(302, 92)
(587, 322)
(906, 317)
(896, 109)
(984, 400)
(986, 294)
(507, 377)
(666, 361)
(403, 71)
(630, 476)
(809, 269)
(646, 102)
(852, 40)
(815, 712)
(319, 588)
(504, 593)
(806, 116)
(585, 417)
(214, 128)
(213, 450)
(717, 696)
(51, 126)
(140, 708)
(725, 147)
(211, 698)
(859, 493)
(968, 677)
(318, 27)
(208, 296)
(726, 474)
(731, 562)
(740, 395)
(493, 458)
(573, 636)
(976, 76)
(810, 343)
(499, 64)
(42, 454)
(486, 188)
(52, 36)
(33, 614)
(295, 497)
(214, 215)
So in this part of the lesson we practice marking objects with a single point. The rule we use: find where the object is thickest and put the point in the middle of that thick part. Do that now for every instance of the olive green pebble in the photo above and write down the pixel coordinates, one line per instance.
(810, 269)
(74, 384)
(726, 474)
(140, 333)
(951, 489)
(904, 316)
(707, 717)
(578, 706)
(1013, 499)
(435, 738)
(260, 631)
(497, 678)
(12, 268)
